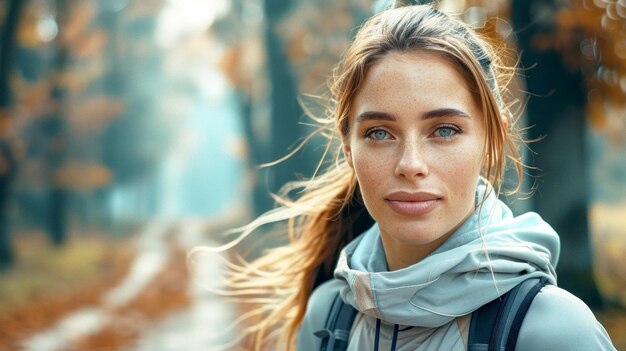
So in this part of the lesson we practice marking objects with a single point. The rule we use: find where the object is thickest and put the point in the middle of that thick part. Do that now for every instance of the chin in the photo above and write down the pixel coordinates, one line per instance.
(416, 234)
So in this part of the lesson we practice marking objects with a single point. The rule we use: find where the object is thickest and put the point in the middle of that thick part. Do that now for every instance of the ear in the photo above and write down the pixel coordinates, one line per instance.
(347, 152)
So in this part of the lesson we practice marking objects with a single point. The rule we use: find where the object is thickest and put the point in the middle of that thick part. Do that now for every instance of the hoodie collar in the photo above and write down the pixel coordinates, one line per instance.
(458, 277)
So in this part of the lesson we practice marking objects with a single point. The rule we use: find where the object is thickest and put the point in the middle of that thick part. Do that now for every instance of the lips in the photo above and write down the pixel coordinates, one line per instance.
(412, 204)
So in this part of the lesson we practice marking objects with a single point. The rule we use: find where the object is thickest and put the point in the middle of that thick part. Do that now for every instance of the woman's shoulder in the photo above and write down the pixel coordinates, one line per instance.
(558, 320)
(317, 310)
(325, 293)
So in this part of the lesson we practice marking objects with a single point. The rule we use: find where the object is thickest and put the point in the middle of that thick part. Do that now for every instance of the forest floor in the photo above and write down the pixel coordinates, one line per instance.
(95, 293)
(134, 293)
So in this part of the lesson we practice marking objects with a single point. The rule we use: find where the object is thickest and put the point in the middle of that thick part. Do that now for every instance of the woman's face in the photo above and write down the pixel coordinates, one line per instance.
(416, 145)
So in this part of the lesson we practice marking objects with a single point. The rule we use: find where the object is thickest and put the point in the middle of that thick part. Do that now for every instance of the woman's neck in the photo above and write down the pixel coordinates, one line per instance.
(400, 255)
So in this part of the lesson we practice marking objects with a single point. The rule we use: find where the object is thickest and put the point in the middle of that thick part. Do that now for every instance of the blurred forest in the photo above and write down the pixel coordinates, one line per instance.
(132, 131)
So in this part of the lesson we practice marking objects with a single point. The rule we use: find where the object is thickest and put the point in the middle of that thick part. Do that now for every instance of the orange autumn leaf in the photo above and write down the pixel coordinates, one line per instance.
(82, 176)
(89, 45)
(77, 22)
(93, 115)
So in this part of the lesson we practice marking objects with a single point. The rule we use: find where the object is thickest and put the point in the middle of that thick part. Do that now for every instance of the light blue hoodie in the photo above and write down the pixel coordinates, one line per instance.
(431, 301)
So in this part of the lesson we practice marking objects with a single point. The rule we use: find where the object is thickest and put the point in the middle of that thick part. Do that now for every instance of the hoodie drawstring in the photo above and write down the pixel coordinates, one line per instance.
(377, 335)
(395, 337)
(393, 340)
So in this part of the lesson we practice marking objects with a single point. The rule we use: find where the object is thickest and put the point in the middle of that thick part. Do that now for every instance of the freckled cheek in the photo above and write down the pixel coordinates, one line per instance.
(371, 172)
(465, 176)
(368, 173)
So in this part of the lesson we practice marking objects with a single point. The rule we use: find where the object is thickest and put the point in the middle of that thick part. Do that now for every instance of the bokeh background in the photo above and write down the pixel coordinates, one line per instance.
(132, 131)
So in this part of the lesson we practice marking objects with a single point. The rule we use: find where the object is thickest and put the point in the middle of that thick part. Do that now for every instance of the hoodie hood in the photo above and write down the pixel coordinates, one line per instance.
(461, 275)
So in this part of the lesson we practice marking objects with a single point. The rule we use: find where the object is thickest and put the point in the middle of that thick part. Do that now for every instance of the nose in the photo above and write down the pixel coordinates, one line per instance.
(411, 163)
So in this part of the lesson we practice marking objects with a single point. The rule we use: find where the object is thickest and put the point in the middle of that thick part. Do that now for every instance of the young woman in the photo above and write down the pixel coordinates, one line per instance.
(425, 135)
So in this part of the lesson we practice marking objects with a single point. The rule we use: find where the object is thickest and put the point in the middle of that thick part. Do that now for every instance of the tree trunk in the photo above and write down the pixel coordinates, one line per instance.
(56, 134)
(261, 201)
(7, 48)
(285, 109)
(556, 111)
(58, 216)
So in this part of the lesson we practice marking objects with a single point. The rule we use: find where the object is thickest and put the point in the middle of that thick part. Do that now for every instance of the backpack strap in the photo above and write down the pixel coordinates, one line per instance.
(493, 327)
(336, 331)
(496, 325)
(523, 308)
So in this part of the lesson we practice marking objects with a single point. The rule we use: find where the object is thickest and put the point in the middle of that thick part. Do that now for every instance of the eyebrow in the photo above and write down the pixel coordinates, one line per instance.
(383, 116)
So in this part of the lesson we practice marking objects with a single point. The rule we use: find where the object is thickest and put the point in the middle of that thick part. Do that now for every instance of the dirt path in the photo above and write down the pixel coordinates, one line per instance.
(157, 306)
(202, 325)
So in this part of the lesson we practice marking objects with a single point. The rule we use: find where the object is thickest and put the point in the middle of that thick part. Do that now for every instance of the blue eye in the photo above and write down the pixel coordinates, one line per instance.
(378, 134)
(446, 132)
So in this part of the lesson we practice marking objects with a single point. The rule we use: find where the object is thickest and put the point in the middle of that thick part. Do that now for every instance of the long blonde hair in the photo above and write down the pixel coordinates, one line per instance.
(329, 212)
